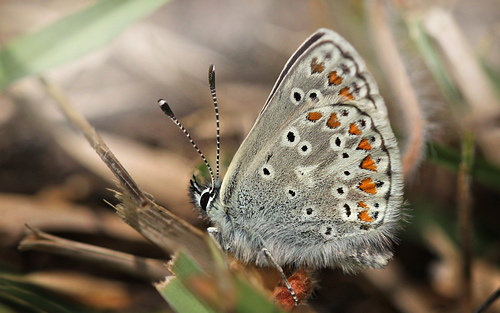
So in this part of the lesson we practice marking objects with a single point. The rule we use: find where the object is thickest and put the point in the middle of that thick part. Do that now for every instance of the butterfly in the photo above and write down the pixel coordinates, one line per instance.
(318, 180)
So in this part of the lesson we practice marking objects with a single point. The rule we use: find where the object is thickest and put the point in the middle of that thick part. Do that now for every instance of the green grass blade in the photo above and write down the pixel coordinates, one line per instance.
(20, 296)
(180, 298)
(70, 37)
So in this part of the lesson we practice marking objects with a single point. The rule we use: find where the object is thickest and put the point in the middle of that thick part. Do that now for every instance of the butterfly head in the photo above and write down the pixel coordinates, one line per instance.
(203, 195)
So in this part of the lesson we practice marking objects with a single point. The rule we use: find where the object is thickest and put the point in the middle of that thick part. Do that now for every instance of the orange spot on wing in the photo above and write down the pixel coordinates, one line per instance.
(364, 144)
(345, 92)
(365, 217)
(334, 79)
(314, 116)
(354, 129)
(368, 186)
(333, 121)
(317, 67)
(363, 204)
(368, 164)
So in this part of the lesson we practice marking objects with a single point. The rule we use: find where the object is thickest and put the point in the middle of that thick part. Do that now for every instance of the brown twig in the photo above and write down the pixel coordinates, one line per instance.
(486, 304)
(155, 223)
(143, 268)
(98, 144)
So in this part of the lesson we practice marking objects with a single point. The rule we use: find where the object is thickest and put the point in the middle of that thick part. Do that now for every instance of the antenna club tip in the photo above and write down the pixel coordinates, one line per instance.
(165, 107)
(211, 76)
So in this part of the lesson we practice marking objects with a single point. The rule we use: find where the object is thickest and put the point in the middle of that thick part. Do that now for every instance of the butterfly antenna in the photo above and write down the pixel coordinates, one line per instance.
(168, 111)
(211, 81)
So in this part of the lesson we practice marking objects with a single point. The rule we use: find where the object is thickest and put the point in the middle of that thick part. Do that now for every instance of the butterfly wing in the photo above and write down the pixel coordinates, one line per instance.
(318, 179)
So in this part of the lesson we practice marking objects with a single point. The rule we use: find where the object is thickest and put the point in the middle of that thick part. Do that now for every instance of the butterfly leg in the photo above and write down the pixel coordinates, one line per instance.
(273, 261)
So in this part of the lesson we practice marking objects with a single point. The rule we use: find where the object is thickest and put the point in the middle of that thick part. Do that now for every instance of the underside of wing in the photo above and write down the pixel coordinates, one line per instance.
(320, 169)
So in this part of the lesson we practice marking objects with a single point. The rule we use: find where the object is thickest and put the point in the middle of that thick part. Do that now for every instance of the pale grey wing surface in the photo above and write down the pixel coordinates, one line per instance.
(319, 175)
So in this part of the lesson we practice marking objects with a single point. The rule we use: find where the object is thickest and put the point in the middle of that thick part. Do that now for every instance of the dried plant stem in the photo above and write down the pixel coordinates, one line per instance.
(486, 304)
(143, 268)
(401, 87)
(98, 144)
(464, 199)
(155, 223)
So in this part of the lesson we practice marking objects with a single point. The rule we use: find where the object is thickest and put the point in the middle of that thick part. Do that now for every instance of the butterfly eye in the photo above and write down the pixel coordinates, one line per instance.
(205, 197)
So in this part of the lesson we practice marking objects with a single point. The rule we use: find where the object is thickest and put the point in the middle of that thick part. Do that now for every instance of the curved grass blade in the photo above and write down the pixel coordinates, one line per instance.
(70, 37)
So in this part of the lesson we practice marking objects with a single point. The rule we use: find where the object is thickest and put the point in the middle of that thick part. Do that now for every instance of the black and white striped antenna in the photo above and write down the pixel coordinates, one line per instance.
(211, 81)
(168, 111)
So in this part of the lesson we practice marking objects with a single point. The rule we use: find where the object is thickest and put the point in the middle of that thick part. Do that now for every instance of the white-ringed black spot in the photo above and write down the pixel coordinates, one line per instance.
(376, 205)
(296, 96)
(266, 171)
(328, 231)
(375, 215)
(291, 192)
(304, 148)
(309, 211)
(344, 113)
(313, 96)
(340, 191)
(290, 137)
(347, 173)
(379, 183)
(337, 142)
(345, 155)
(347, 209)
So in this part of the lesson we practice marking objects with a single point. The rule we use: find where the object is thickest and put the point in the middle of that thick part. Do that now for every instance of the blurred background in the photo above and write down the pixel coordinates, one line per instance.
(437, 64)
